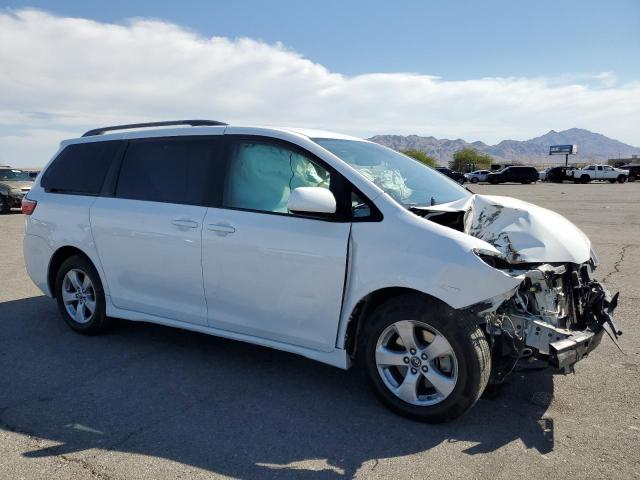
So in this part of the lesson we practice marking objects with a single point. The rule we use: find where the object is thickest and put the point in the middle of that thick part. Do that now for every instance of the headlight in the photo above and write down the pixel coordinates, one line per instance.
(493, 259)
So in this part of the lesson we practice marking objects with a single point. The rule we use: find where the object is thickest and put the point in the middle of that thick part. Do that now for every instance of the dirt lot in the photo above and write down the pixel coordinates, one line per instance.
(150, 402)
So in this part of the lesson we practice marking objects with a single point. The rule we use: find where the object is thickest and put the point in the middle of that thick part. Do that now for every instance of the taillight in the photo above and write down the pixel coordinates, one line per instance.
(28, 206)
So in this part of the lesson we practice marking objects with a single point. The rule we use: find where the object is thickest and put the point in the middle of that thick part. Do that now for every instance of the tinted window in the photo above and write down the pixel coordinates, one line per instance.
(81, 168)
(172, 170)
(262, 175)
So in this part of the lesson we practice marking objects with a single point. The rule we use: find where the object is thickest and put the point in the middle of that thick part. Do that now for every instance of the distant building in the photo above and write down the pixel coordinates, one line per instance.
(616, 162)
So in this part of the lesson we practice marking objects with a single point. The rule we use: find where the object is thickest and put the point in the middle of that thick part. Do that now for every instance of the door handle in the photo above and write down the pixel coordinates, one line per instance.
(182, 223)
(221, 229)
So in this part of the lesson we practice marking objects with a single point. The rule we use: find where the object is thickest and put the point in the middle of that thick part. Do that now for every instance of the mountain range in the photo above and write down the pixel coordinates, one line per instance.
(592, 147)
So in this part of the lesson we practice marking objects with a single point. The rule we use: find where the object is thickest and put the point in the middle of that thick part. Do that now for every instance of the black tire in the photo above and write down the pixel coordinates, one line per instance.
(474, 180)
(4, 206)
(585, 179)
(631, 179)
(622, 179)
(612, 180)
(466, 339)
(98, 322)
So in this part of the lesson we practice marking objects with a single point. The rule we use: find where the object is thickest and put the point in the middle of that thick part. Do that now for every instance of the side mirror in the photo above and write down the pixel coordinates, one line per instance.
(311, 200)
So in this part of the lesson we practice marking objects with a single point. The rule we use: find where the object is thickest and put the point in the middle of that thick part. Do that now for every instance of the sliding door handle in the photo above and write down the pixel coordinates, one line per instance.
(221, 228)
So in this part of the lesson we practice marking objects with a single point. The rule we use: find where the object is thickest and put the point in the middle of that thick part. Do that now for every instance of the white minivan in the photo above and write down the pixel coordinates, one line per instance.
(315, 243)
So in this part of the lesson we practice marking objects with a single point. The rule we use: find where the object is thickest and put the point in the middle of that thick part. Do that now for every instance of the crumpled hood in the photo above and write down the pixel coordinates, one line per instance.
(522, 231)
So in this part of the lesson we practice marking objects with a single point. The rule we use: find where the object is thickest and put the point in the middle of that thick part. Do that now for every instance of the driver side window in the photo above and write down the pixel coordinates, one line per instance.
(262, 175)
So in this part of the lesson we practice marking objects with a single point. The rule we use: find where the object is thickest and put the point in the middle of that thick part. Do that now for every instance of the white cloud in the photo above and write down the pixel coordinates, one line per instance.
(60, 76)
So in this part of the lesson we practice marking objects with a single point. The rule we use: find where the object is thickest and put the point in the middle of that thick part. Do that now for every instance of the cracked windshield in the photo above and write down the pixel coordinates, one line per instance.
(403, 178)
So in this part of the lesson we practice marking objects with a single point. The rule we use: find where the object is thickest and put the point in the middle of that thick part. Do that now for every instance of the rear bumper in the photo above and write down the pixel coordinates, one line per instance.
(37, 255)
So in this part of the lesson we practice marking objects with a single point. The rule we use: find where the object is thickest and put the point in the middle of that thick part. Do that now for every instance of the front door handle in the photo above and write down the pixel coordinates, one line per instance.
(221, 228)
(183, 223)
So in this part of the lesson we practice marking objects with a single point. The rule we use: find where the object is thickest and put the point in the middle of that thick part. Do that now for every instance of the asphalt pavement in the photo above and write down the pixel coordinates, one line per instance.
(150, 402)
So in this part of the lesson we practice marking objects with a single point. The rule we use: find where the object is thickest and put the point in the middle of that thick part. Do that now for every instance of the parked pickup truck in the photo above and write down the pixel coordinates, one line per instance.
(599, 172)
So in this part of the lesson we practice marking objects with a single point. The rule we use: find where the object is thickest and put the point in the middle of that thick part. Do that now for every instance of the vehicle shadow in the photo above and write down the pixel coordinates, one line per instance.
(224, 406)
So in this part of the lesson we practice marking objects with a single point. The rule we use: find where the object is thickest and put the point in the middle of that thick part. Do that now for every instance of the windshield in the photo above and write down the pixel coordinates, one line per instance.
(406, 180)
(12, 174)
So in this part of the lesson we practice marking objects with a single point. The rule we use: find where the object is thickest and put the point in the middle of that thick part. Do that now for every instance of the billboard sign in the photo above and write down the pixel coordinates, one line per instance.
(563, 149)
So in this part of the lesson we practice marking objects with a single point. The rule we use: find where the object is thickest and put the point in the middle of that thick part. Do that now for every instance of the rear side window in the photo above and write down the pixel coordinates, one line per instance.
(80, 168)
(172, 170)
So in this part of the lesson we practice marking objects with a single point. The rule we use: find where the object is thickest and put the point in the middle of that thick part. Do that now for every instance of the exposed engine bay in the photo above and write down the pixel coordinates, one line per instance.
(558, 313)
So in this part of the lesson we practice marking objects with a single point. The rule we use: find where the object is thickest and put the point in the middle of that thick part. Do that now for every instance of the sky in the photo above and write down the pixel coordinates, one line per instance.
(486, 71)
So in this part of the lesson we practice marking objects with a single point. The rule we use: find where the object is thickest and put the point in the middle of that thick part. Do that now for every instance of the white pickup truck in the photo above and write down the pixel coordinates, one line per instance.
(599, 172)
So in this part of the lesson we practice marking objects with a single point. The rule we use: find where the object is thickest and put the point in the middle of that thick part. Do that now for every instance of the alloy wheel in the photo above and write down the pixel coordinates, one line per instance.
(79, 296)
(416, 362)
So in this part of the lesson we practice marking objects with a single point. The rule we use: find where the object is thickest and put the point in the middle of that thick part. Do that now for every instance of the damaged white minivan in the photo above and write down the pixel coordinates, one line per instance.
(316, 243)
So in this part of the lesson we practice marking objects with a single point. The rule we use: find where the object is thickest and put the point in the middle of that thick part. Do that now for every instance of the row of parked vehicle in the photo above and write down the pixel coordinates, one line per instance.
(523, 174)
(591, 173)
(515, 174)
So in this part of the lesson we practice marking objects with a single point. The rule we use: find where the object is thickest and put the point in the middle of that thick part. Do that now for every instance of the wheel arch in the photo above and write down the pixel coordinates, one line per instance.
(58, 257)
(367, 304)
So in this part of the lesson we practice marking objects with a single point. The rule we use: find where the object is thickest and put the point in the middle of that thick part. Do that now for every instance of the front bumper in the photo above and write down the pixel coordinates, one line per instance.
(565, 353)
(558, 316)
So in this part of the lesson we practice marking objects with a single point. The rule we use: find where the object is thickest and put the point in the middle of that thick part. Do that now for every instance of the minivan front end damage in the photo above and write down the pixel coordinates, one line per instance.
(558, 315)
(559, 312)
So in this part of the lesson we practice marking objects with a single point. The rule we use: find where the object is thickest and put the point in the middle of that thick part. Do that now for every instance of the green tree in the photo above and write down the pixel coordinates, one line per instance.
(472, 157)
(421, 157)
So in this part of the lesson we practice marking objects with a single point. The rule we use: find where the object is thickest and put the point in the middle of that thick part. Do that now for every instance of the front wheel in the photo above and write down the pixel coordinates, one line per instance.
(622, 179)
(423, 361)
(474, 180)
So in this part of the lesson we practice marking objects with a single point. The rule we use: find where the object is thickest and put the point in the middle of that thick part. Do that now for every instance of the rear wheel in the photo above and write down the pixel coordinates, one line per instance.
(585, 179)
(422, 360)
(612, 180)
(80, 296)
(622, 179)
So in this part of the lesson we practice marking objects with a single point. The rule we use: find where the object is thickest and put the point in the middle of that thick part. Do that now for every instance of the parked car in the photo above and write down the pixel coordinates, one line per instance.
(14, 184)
(320, 244)
(477, 176)
(517, 174)
(633, 171)
(557, 174)
(542, 174)
(599, 172)
(452, 174)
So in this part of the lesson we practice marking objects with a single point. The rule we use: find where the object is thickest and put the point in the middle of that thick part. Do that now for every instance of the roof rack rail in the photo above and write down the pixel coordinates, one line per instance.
(193, 123)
